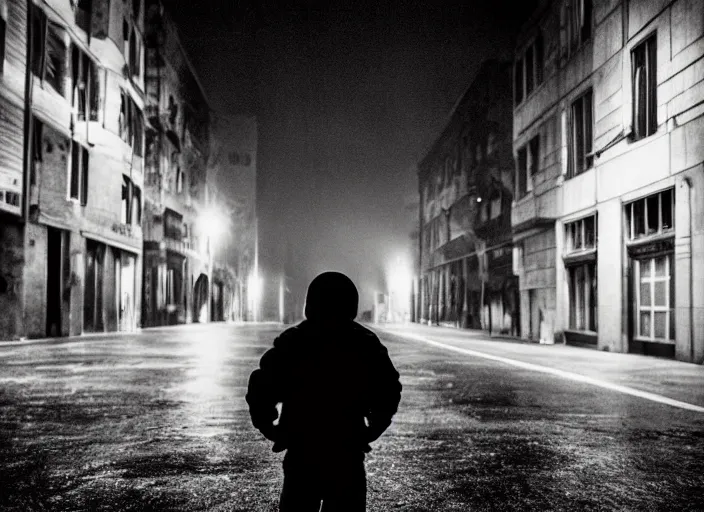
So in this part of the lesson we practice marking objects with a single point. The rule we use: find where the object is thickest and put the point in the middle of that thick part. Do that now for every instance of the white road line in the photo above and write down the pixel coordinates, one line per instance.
(553, 371)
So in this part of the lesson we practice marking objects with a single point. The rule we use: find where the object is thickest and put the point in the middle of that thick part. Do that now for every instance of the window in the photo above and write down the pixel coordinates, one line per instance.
(172, 225)
(528, 69)
(651, 215)
(3, 27)
(131, 203)
(643, 58)
(49, 51)
(78, 183)
(578, 23)
(132, 48)
(528, 165)
(495, 205)
(35, 163)
(582, 284)
(85, 89)
(131, 124)
(582, 129)
(83, 14)
(581, 234)
(655, 299)
(180, 180)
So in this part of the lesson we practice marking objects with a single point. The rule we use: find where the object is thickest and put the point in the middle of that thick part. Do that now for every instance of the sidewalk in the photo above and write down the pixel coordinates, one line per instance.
(672, 379)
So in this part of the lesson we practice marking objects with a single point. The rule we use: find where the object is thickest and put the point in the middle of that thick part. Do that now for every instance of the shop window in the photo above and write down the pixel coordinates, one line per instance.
(644, 86)
(85, 86)
(651, 215)
(582, 128)
(581, 234)
(528, 69)
(78, 180)
(583, 297)
(655, 299)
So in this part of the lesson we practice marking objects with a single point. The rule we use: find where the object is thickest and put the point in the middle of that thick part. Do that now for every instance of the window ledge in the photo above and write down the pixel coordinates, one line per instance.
(649, 340)
(581, 256)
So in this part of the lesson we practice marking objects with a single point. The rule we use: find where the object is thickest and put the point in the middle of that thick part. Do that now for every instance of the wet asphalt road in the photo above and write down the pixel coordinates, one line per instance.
(157, 421)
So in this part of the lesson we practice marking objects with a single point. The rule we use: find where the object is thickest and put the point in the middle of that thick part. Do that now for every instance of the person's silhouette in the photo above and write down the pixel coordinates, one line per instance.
(338, 391)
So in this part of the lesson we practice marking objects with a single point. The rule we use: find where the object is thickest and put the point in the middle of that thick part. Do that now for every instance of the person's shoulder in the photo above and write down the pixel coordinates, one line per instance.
(364, 333)
(291, 334)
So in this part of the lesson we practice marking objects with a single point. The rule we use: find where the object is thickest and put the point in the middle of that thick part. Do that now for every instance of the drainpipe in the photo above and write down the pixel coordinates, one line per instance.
(27, 155)
(688, 181)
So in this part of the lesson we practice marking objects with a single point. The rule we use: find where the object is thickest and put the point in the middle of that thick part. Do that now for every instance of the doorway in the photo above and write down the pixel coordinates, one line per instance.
(93, 290)
(58, 291)
(200, 299)
(125, 270)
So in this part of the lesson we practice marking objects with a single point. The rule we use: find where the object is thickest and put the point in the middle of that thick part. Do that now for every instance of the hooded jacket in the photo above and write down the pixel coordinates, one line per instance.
(336, 383)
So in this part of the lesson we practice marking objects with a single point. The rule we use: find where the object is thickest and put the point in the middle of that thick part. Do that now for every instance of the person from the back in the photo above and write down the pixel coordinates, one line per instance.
(337, 390)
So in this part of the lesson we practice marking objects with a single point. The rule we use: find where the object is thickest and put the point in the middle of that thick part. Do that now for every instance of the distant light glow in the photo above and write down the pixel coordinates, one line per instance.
(399, 282)
(212, 222)
(479, 199)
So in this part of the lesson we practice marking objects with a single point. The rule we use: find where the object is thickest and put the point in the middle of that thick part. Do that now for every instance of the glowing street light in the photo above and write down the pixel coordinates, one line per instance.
(399, 282)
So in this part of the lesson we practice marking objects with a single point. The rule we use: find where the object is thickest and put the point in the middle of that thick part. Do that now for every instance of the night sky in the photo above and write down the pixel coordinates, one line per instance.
(348, 96)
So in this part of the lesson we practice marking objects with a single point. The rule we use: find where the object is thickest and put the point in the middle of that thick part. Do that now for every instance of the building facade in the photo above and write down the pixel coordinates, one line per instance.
(178, 263)
(76, 258)
(608, 217)
(466, 189)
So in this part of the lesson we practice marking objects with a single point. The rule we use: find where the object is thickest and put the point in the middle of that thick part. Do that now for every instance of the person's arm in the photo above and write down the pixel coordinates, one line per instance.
(385, 393)
(263, 393)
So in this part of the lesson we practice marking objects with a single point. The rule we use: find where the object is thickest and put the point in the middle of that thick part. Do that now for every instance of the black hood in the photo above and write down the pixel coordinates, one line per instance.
(332, 296)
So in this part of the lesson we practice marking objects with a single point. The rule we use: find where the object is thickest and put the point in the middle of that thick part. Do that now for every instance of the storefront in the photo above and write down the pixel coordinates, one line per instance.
(650, 247)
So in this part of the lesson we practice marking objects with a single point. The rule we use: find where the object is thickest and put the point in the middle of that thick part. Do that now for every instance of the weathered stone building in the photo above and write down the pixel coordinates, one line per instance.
(177, 250)
(608, 218)
(73, 68)
(466, 189)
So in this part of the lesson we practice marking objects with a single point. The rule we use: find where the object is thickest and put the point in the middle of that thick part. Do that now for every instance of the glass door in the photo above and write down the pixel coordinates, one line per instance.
(655, 299)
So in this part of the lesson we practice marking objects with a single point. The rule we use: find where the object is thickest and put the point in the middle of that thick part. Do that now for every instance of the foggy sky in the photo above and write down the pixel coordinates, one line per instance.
(348, 100)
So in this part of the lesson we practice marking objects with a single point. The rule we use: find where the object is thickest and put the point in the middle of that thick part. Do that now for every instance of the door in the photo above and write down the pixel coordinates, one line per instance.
(57, 295)
(654, 285)
(126, 270)
(93, 289)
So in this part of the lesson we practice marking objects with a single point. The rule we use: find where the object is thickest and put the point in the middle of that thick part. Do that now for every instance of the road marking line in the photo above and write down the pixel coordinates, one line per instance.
(554, 371)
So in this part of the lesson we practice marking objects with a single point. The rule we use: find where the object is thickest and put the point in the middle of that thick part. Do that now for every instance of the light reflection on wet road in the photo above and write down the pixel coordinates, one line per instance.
(158, 421)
